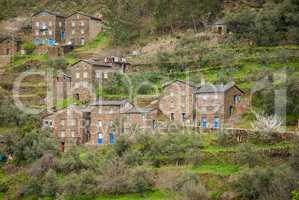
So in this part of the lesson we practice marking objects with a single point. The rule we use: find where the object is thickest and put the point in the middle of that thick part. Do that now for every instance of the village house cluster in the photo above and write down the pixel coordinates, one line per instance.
(49, 28)
(101, 121)
(51, 33)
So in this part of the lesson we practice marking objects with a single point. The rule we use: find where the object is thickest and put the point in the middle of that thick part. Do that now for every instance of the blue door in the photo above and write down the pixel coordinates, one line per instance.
(51, 42)
(204, 122)
(62, 35)
(111, 138)
(216, 122)
(100, 138)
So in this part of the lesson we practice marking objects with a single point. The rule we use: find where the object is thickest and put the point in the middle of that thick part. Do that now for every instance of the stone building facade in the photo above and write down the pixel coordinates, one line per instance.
(139, 118)
(81, 28)
(9, 46)
(88, 74)
(177, 102)
(70, 125)
(48, 28)
(216, 104)
(105, 121)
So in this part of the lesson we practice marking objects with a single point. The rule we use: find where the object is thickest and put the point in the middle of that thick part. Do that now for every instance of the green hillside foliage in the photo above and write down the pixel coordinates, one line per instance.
(14, 8)
(127, 20)
(276, 23)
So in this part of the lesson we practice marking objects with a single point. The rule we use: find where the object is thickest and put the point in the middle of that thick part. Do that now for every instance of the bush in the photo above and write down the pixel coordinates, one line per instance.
(193, 191)
(266, 184)
(142, 180)
(247, 155)
(33, 145)
(115, 177)
(28, 47)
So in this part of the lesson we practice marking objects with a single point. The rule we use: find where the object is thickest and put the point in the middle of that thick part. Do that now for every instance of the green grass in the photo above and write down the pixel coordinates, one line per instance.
(1, 196)
(22, 59)
(157, 195)
(101, 41)
(219, 169)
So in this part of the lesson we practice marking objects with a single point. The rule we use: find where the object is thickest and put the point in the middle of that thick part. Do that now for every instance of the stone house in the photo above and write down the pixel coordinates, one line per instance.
(105, 120)
(217, 104)
(219, 27)
(48, 28)
(9, 46)
(61, 88)
(81, 28)
(70, 125)
(139, 118)
(88, 74)
(177, 102)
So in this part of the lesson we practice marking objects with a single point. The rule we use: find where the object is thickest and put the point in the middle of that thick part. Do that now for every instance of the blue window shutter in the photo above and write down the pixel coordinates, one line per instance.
(112, 138)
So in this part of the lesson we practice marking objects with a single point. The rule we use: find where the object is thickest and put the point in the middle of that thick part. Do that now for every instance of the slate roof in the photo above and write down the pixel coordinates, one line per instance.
(94, 63)
(49, 12)
(138, 110)
(190, 83)
(218, 88)
(92, 17)
(109, 103)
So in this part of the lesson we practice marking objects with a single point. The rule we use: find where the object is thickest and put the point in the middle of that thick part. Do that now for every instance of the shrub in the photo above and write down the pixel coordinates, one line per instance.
(266, 184)
(50, 184)
(28, 47)
(294, 159)
(193, 191)
(247, 155)
(33, 145)
(70, 161)
(142, 180)
(225, 139)
(115, 177)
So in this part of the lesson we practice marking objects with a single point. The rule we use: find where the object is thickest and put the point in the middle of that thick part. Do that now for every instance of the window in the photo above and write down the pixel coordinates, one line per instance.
(50, 123)
(82, 23)
(205, 97)
(99, 123)
(73, 23)
(143, 115)
(73, 133)
(171, 116)
(78, 75)
(50, 23)
(37, 32)
(236, 99)
(105, 75)
(184, 116)
(230, 110)
(98, 75)
(37, 24)
(216, 121)
(62, 134)
(50, 32)
(82, 41)
(62, 123)
(60, 24)
(85, 75)
(73, 122)
(204, 121)
(44, 25)
(78, 16)
(7, 51)
(171, 94)
(82, 31)
(73, 32)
